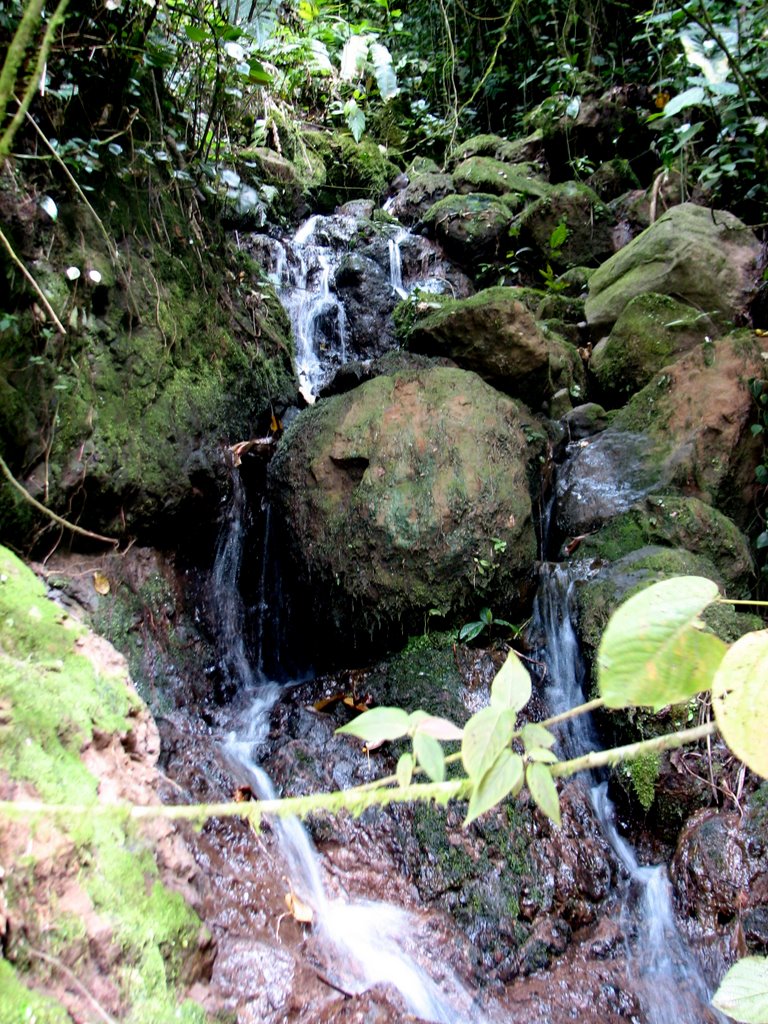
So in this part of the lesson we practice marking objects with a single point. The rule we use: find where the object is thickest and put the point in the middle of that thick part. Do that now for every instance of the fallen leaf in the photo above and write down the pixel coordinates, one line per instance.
(100, 583)
(298, 909)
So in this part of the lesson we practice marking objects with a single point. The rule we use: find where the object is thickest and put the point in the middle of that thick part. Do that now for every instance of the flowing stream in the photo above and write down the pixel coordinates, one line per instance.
(662, 970)
(371, 942)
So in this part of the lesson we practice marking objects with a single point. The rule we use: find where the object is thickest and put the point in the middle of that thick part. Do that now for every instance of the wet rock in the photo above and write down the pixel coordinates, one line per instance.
(604, 475)
(651, 332)
(706, 258)
(384, 490)
(369, 299)
(585, 420)
(494, 334)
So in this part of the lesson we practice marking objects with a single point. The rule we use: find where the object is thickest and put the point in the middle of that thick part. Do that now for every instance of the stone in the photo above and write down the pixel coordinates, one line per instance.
(652, 331)
(388, 493)
(706, 258)
(587, 219)
(494, 334)
(470, 228)
(483, 174)
(411, 203)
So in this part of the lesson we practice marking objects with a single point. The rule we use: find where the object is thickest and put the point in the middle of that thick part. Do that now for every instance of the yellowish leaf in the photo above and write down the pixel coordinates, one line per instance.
(100, 583)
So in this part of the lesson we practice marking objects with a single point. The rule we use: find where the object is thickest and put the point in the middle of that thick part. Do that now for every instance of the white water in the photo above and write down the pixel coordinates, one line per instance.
(396, 264)
(662, 970)
(369, 942)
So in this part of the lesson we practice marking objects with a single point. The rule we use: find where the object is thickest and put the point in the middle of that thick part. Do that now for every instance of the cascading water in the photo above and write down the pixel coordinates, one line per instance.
(663, 972)
(370, 942)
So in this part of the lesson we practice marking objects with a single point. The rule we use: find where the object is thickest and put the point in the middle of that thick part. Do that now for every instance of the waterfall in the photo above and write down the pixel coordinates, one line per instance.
(396, 264)
(662, 970)
(368, 942)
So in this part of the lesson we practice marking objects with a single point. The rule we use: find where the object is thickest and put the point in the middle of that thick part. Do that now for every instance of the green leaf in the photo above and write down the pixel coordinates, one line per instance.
(512, 686)
(439, 728)
(257, 74)
(653, 652)
(541, 754)
(743, 992)
(353, 57)
(404, 770)
(486, 616)
(378, 725)
(559, 235)
(197, 34)
(470, 630)
(542, 788)
(689, 98)
(430, 756)
(535, 735)
(386, 79)
(739, 700)
(355, 119)
(486, 734)
(503, 777)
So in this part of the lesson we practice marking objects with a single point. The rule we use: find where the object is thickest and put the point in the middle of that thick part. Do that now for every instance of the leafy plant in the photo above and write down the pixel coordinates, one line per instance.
(471, 630)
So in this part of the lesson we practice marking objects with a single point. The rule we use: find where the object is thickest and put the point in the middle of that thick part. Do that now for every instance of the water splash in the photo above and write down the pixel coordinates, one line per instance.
(396, 264)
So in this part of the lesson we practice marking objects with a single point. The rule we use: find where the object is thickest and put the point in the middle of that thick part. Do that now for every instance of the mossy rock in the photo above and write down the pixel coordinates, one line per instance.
(354, 170)
(652, 331)
(706, 258)
(697, 413)
(510, 151)
(587, 220)
(678, 522)
(423, 191)
(65, 692)
(389, 492)
(470, 228)
(613, 179)
(483, 174)
(151, 378)
(494, 334)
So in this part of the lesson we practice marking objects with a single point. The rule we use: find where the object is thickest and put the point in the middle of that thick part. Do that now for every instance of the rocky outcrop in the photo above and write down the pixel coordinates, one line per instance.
(470, 228)
(579, 214)
(705, 258)
(391, 492)
(483, 174)
(494, 334)
(411, 203)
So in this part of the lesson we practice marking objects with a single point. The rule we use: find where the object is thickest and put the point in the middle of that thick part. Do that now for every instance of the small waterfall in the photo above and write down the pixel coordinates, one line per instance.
(396, 264)
(368, 942)
(663, 971)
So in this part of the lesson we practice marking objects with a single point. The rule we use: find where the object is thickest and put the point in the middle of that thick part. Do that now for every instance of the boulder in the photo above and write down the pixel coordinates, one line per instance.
(706, 258)
(470, 228)
(411, 203)
(483, 174)
(587, 220)
(369, 299)
(388, 495)
(698, 413)
(529, 149)
(652, 330)
(494, 334)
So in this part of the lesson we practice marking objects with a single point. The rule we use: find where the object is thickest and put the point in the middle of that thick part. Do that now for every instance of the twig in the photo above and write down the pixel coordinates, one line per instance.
(38, 290)
(59, 965)
(605, 758)
(47, 512)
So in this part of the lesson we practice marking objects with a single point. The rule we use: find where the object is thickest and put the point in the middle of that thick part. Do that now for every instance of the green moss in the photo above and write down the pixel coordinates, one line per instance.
(21, 1005)
(56, 699)
(643, 772)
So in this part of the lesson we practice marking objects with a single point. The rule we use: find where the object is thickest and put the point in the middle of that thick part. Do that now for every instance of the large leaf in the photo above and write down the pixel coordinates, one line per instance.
(430, 756)
(440, 728)
(486, 734)
(743, 992)
(542, 788)
(378, 725)
(386, 79)
(353, 57)
(653, 651)
(690, 98)
(503, 777)
(355, 119)
(739, 692)
(512, 686)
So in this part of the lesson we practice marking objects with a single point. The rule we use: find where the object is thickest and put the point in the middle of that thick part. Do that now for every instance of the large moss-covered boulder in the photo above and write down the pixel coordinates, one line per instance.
(483, 174)
(390, 493)
(697, 413)
(706, 258)
(470, 228)
(652, 330)
(586, 229)
(529, 149)
(495, 334)
(353, 170)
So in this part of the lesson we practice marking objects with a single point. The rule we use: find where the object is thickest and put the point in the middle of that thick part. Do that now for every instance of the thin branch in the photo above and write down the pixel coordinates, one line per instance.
(47, 512)
(606, 758)
(6, 140)
(73, 980)
(38, 290)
